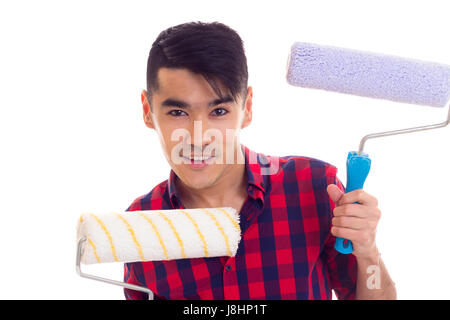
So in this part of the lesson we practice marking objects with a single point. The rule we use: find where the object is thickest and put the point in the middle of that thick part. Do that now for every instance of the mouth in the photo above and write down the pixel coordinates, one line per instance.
(198, 162)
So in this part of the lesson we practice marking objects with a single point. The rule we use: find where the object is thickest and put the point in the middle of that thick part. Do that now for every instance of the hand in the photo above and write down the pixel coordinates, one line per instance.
(355, 222)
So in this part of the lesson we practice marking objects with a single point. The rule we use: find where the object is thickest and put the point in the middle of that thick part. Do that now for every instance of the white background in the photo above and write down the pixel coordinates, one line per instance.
(72, 137)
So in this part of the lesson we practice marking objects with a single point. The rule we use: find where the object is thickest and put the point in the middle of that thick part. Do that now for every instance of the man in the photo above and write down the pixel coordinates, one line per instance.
(197, 100)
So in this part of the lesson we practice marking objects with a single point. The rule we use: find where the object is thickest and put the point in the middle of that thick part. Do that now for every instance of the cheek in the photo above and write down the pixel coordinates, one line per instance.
(224, 134)
(169, 136)
(232, 124)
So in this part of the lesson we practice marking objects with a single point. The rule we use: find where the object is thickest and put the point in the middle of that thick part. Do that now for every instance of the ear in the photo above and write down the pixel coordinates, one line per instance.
(248, 109)
(147, 114)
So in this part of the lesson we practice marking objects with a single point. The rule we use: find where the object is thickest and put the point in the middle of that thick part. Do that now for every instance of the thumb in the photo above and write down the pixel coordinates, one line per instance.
(334, 192)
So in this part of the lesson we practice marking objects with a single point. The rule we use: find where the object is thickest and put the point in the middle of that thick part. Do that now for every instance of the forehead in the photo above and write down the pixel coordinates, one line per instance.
(183, 83)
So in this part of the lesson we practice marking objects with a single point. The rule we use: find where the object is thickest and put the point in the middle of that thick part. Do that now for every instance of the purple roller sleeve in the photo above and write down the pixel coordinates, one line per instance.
(369, 74)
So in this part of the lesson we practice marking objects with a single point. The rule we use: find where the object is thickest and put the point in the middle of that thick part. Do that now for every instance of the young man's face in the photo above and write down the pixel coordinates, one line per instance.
(191, 121)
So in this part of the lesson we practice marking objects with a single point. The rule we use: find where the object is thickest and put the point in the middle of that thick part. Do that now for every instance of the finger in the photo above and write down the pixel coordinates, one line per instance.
(360, 196)
(345, 233)
(351, 223)
(334, 192)
(352, 210)
(358, 237)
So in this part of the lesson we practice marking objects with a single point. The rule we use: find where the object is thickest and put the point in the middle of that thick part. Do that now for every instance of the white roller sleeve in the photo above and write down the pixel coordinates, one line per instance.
(152, 235)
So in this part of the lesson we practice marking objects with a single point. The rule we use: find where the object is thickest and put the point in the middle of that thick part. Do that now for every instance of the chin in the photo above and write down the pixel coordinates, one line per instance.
(198, 179)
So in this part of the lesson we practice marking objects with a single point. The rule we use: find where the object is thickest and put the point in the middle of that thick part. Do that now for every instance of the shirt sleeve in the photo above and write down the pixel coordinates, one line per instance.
(342, 268)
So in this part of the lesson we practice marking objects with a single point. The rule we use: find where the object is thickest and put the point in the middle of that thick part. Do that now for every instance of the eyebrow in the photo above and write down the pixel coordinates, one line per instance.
(171, 102)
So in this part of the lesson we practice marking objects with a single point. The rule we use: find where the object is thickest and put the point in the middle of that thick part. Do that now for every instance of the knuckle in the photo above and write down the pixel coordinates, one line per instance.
(376, 201)
(359, 193)
(378, 213)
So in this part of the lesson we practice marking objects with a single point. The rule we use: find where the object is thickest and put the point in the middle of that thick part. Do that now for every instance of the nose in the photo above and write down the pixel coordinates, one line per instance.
(198, 137)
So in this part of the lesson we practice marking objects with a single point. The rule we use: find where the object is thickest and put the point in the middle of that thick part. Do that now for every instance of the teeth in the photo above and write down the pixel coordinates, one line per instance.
(199, 158)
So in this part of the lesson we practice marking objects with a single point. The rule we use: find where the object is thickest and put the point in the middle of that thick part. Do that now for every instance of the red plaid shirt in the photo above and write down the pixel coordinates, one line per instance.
(286, 249)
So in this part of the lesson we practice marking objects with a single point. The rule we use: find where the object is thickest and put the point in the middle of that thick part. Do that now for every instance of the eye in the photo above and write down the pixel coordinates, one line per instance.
(176, 113)
(219, 112)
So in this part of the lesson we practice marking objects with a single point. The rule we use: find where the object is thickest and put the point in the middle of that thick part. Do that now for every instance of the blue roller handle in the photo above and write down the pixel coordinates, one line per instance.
(358, 167)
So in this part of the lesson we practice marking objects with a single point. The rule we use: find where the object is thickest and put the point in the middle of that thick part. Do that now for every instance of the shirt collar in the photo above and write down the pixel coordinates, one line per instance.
(253, 170)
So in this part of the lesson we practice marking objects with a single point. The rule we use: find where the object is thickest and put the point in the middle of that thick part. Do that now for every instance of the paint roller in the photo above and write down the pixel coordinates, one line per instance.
(153, 235)
(372, 75)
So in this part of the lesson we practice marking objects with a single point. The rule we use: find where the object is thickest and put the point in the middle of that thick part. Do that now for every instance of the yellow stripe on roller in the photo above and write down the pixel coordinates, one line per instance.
(205, 247)
(94, 249)
(133, 236)
(180, 242)
(233, 221)
(221, 230)
(100, 222)
(157, 234)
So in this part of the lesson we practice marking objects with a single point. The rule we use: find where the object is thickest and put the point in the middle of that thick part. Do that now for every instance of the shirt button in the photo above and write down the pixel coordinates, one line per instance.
(228, 267)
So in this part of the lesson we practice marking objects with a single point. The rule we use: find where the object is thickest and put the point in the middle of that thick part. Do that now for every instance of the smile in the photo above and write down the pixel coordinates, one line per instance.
(198, 158)
(198, 162)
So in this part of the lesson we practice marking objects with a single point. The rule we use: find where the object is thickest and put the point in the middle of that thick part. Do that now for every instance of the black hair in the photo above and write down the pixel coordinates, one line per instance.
(213, 50)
